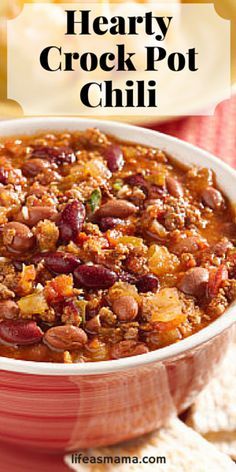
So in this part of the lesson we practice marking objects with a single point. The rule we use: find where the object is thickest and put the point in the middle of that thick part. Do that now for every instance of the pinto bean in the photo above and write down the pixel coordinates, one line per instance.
(174, 187)
(32, 215)
(65, 338)
(194, 281)
(116, 209)
(125, 307)
(33, 167)
(128, 348)
(8, 309)
(190, 244)
(93, 325)
(17, 237)
(212, 198)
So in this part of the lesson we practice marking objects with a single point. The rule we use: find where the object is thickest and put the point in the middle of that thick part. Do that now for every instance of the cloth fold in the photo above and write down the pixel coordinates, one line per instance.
(178, 447)
(213, 415)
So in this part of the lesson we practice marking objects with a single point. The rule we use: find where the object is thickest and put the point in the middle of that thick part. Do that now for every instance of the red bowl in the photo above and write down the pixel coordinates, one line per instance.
(56, 407)
(68, 412)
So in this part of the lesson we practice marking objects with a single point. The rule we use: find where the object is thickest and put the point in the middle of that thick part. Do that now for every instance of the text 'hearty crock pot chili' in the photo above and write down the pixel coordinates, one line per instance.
(108, 249)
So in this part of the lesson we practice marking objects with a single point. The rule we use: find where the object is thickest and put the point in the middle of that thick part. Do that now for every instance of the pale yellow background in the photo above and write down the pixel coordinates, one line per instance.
(44, 93)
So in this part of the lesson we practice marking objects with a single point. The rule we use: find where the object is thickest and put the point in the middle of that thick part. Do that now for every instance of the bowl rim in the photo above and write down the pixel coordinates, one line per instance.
(166, 353)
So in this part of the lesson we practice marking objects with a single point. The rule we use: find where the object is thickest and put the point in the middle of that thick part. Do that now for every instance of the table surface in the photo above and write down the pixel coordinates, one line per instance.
(216, 134)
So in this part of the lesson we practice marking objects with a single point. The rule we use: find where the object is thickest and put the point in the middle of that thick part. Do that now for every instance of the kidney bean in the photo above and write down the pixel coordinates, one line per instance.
(125, 307)
(95, 276)
(93, 325)
(128, 348)
(61, 262)
(116, 209)
(194, 281)
(20, 332)
(174, 187)
(65, 338)
(114, 157)
(127, 277)
(32, 215)
(109, 223)
(33, 167)
(17, 237)
(58, 155)
(37, 257)
(3, 176)
(71, 220)
(8, 309)
(18, 265)
(147, 283)
(155, 191)
(136, 180)
(212, 198)
(190, 244)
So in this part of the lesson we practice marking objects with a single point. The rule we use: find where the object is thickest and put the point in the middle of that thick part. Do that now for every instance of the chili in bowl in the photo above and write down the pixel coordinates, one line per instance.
(118, 275)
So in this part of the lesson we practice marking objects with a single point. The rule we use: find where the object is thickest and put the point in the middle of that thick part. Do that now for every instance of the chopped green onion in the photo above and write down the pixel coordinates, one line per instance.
(117, 184)
(95, 199)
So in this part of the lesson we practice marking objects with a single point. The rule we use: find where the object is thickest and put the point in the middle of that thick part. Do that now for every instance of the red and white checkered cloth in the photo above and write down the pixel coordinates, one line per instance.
(216, 134)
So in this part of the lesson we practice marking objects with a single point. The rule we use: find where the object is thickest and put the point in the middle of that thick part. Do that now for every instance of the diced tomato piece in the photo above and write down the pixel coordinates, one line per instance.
(82, 237)
(216, 278)
(59, 288)
(169, 325)
(112, 236)
(190, 263)
(25, 283)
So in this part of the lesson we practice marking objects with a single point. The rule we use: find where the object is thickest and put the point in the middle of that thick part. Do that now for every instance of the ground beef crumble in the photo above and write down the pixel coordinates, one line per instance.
(108, 249)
